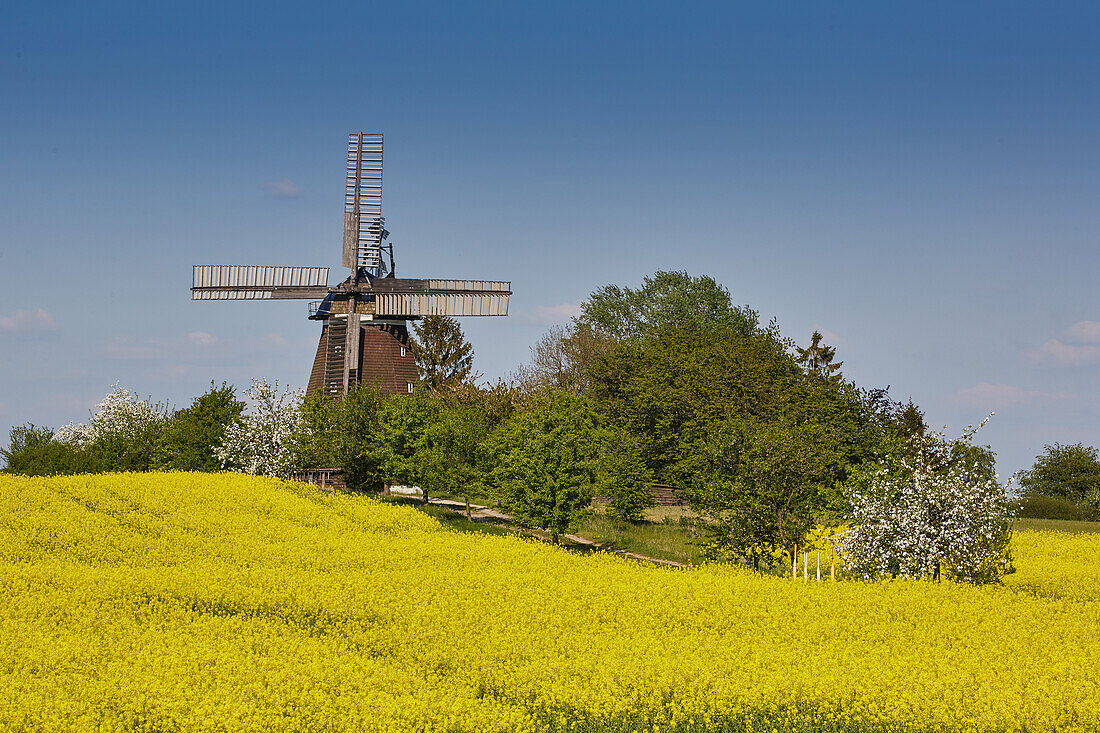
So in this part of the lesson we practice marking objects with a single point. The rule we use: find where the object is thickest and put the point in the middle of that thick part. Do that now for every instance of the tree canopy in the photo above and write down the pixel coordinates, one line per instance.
(1068, 471)
(193, 432)
(663, 300)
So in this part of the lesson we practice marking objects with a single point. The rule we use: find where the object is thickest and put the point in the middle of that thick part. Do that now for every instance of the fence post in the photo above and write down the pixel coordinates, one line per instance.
(819, 566)
(794, 562)
(805, 567)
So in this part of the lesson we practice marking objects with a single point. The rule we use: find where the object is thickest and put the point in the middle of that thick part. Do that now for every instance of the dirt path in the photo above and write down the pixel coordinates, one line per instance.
(487, 514)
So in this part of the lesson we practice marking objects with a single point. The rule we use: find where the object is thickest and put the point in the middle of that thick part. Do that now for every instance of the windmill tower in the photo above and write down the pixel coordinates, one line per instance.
(364, 319)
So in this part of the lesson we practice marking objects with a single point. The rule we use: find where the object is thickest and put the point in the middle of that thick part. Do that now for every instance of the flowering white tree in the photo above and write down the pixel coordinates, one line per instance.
(259, 443)
(936, 509)
(120, 415)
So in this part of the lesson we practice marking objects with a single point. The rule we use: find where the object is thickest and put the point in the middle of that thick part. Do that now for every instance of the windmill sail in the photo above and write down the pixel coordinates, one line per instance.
(363, 204)
(446, 298)
(257, 282)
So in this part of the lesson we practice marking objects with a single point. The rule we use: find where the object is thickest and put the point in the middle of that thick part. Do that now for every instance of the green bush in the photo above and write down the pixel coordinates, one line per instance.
(187, 442)
(1053, 507)
(34, 452)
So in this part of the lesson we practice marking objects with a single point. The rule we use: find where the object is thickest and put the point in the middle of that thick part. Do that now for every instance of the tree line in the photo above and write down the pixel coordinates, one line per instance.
(670, 382)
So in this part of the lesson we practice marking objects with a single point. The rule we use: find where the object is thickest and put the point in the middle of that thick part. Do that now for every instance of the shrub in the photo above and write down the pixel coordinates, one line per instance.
(124, 433)
(33, 451)
(1052, 507)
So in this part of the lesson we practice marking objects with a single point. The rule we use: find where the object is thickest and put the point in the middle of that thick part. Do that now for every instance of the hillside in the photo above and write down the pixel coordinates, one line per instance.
(223, 602)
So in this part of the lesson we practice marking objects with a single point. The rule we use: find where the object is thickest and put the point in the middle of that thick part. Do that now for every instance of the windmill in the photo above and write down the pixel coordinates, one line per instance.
(364, 319)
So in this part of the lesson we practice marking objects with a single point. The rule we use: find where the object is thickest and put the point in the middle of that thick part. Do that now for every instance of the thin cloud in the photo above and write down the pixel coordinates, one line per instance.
(275, 339)
(124, 347)
(284, 188)
(25, 325)
(552, 314)
(997, 396)
(175, 358)
(1084, 332)
(1056, 352)
(201, 338)
(1078, 345)
(193, 347)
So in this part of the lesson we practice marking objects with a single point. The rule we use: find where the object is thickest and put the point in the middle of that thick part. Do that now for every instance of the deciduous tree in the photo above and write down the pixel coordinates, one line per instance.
(261, 442)
(665, 299)
(761, 485)
(562, 359)
(545, 462)
(1068, 471)
(929, 511)
(193, 433)
(343, 433)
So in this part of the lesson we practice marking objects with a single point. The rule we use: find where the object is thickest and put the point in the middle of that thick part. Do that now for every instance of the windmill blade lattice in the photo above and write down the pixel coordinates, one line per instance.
(363, 222)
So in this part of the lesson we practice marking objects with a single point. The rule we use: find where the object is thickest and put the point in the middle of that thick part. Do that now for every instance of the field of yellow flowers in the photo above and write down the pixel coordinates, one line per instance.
(223, 602)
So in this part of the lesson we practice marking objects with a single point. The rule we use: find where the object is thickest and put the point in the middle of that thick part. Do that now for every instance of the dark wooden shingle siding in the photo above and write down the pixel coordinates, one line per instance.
(380, 356)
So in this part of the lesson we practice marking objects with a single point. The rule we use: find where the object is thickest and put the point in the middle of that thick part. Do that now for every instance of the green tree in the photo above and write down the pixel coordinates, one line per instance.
(910, 422)
(405, 450)
(668, 388)
(817, 359)
(761, 485)
(665, 299)
(444, 358)
(545, 461)
(345, 434)
(189, 440)
(697, 399)
(451, 460)
(623, 477)
(1068, 471)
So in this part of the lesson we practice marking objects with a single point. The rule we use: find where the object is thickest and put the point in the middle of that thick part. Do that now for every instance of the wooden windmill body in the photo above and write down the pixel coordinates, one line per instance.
(364, 319)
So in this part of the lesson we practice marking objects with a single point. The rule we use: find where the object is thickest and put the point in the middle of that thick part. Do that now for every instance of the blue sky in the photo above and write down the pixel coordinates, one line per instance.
(919, 181)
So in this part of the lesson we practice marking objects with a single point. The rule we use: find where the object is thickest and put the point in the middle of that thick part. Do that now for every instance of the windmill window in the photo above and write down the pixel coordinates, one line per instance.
(403, 351)
(410, 384)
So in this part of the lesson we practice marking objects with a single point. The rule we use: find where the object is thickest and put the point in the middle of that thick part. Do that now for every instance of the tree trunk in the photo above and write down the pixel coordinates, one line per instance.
(936, 572)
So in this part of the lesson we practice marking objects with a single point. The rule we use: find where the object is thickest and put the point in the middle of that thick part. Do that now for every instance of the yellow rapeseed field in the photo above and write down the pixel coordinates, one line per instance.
(222, 602)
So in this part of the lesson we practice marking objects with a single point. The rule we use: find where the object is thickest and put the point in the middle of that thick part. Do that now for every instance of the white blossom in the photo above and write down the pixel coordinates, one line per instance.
(119, 415)
(259, 443)
(930, 510)
(75, 433)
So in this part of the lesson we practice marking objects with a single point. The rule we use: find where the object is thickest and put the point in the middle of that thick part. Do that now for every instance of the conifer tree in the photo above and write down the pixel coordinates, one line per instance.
(817, 358)
(444, 358)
